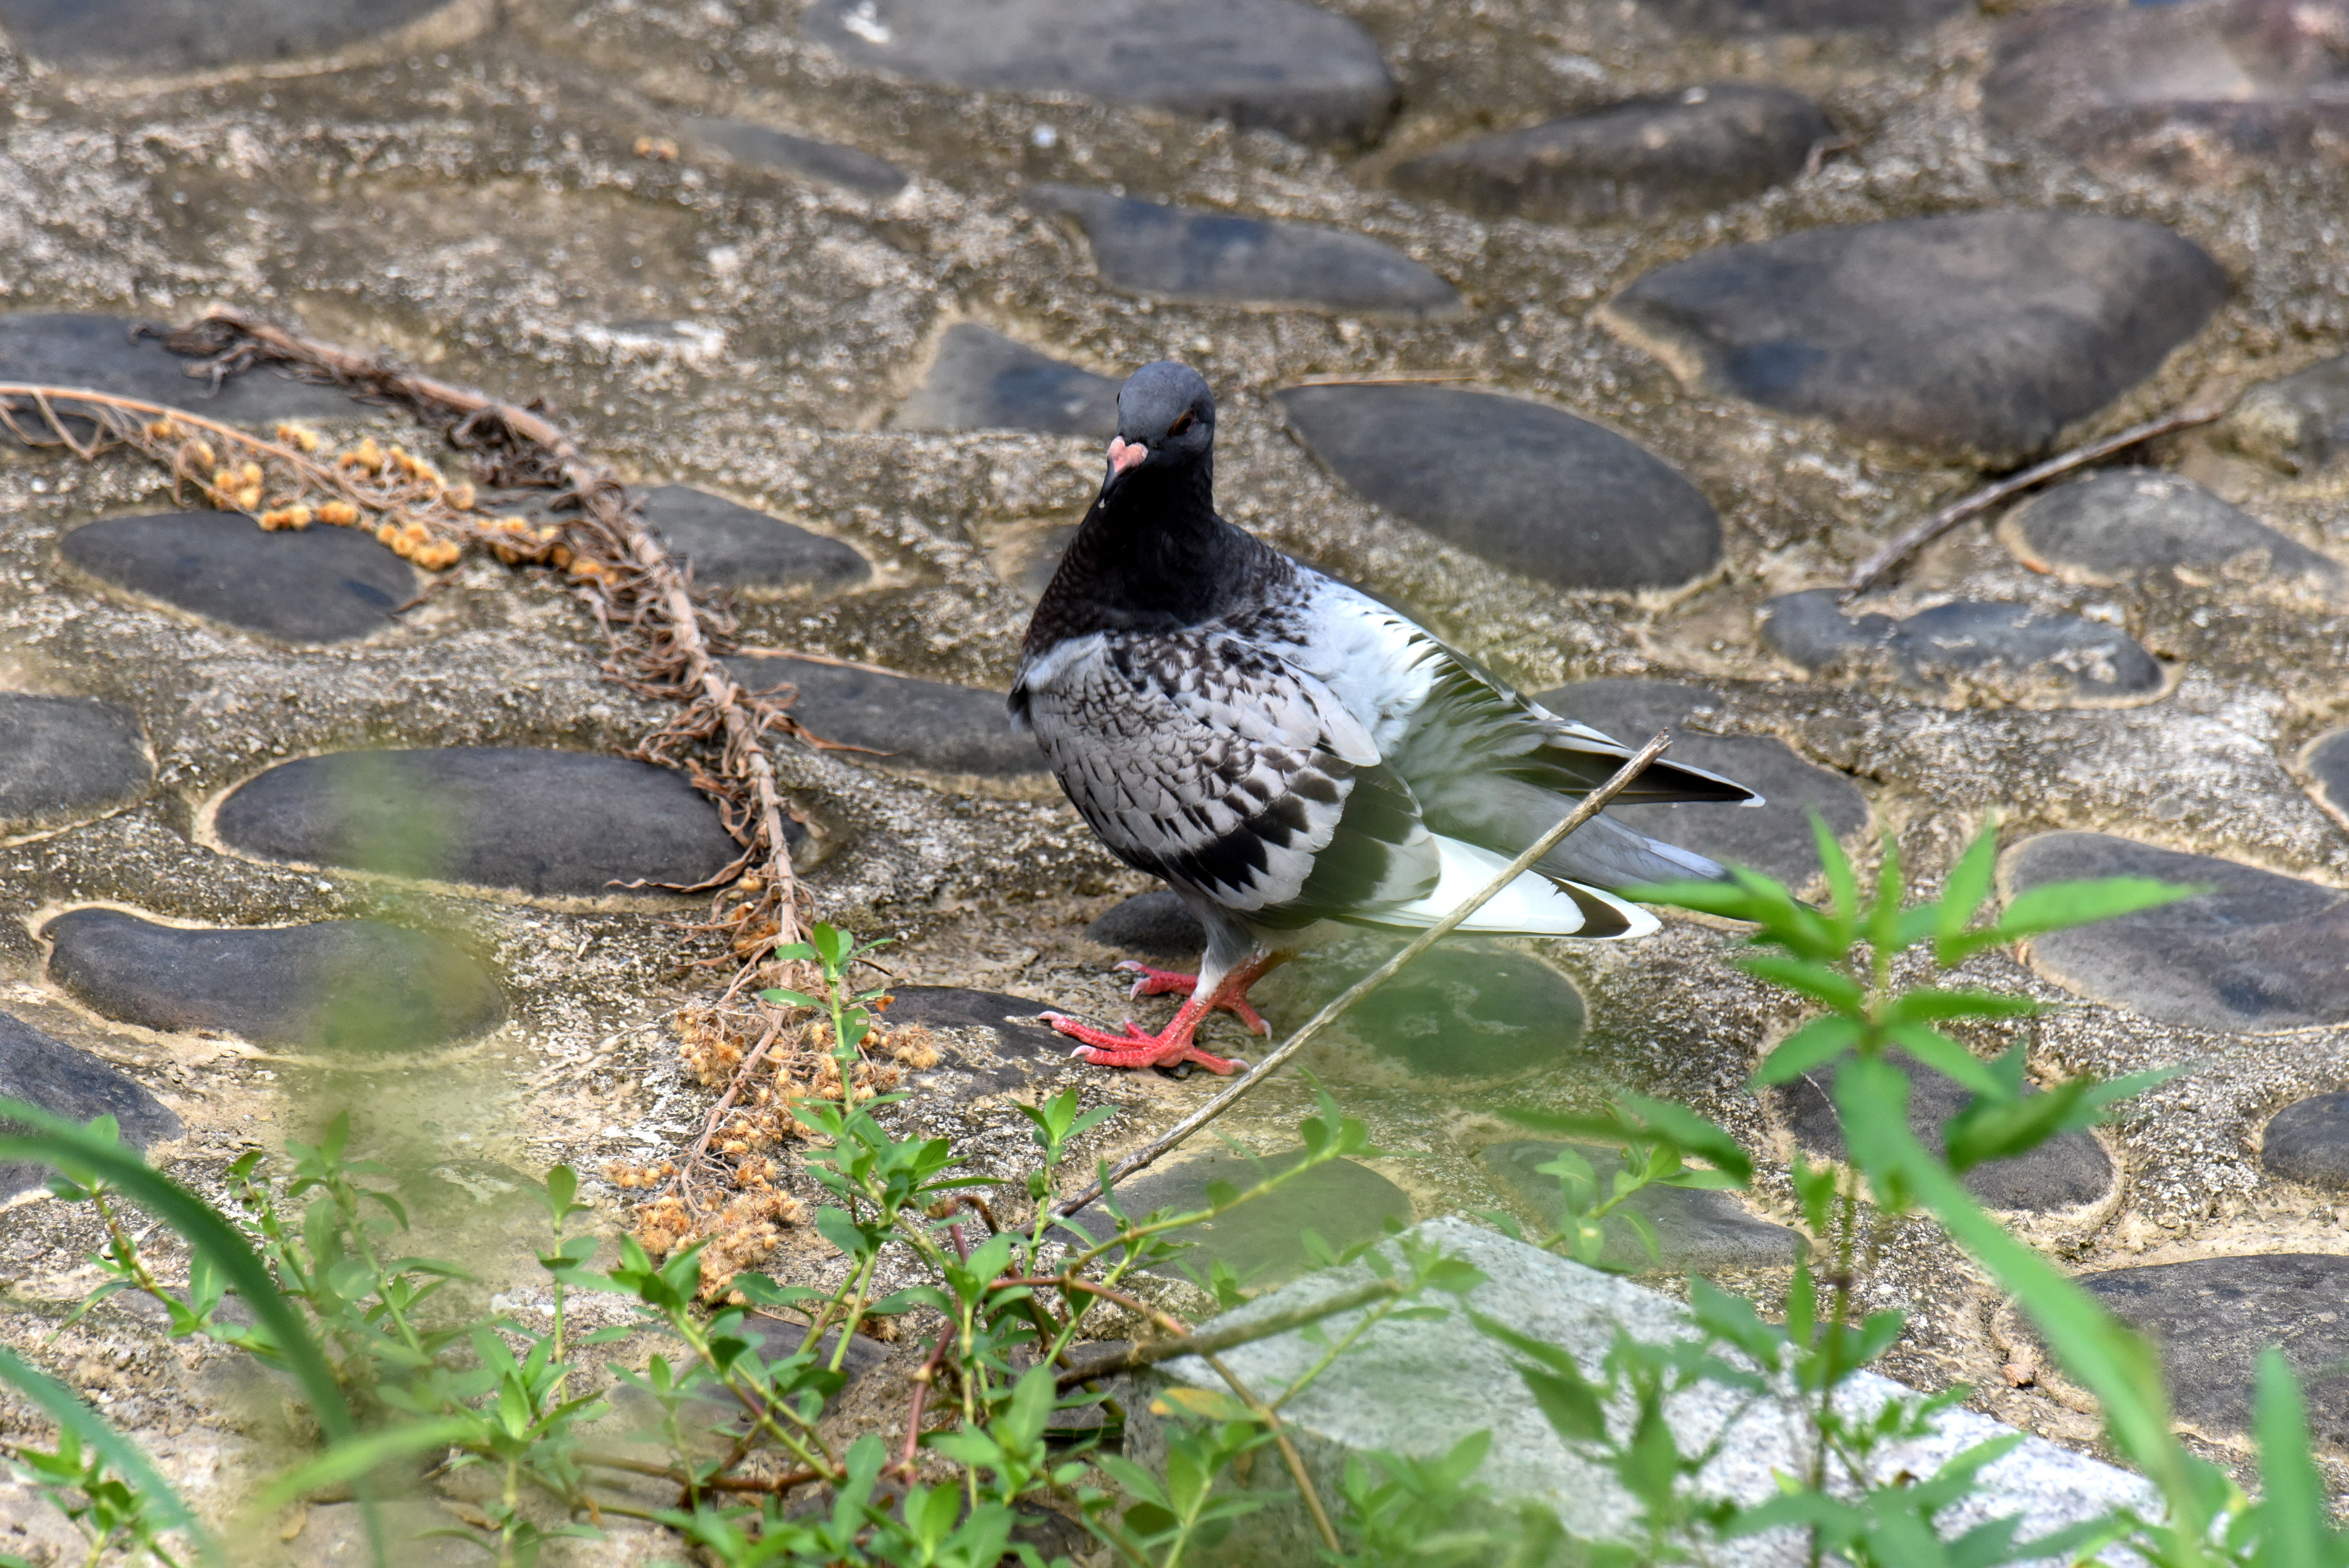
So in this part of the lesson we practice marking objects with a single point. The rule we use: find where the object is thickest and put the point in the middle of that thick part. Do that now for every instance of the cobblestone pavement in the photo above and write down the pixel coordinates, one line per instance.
(1603, 336)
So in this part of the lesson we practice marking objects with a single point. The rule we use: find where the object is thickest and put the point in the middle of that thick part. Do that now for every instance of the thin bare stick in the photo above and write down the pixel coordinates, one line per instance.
(684, 1183)
(1590, 806)
(1229, 1335)
(1909, 541)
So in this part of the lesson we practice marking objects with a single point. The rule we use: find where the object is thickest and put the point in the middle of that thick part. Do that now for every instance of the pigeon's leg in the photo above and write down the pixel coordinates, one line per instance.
(1174, 982)
(1137, 1047)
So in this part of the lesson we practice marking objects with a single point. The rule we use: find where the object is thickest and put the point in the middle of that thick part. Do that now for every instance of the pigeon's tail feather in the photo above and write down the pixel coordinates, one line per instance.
(1605, 853)
(1533, 905)
(1509, 814)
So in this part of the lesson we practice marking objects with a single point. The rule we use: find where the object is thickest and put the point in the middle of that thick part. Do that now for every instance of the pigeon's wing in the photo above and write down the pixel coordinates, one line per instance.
(1228, 772)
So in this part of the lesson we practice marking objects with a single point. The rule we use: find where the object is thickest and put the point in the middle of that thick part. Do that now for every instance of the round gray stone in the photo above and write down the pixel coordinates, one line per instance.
(1280, 65)
(2326, 760)
(989, 1042)
(125, 37)
(319, 585)
(98, 352)
(1260, 1241)
(2120, 523)
(1525, 485)
(1156, 924)
(732, 546)
(2207, 91)
(2210, 1318)
(1218, 258)
(1469, 1010)
(1983, 331)
(898, 719)
(982, 380)
(1734, 17)
(2299, 422)
(2308, 1140)
(543, 823)
(2257, 953)
(1698, 148)
(77, 1086)
(341, 985)
(757, 146)
(1774, 837)
(65, 757)
(1695, 1230)
(2067, 1171)
(1968, 647)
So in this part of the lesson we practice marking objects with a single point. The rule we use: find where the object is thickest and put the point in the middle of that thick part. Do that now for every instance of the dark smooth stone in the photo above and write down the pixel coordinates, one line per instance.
(1748, 16)
(982, 380)
(1280, 65)
(1342, 1202)
(77, 1086)
(824, 162)
(2204, 92)
(1700, 148)
(1155, 924)
(1694, 1229)
(2299, 422)
(1982, 332)
(899, 719)
(2064, 1172)
(732, 546)
(1469, 1009)
(995, 1046)
(319, 585)
(336, 985)
(1219, 258)
(2258, 953)
(2327, 761)
(1774, 837)
(1524, 485)
(547, 823)
(2120, 523)
(124, 37)
(1967, 646)
(67, 756)
(2210, 1318)
(96, 351)
(2308, 1140)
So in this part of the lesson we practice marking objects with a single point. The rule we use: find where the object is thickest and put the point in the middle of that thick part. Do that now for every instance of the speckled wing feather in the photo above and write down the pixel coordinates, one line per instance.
(1229, 772)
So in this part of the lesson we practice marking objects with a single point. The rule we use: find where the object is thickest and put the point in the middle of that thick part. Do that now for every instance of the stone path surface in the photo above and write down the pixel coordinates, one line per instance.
(982, 380)
(898, 720)
(77, 1086)
(1705, 1231)
(763, 147)
(320, 585)
(549, 824)
(63, 758)
(732, 546)
(141, 37)
(2308, 1140)
(2298, 421)
(1988, 331)
(2120, 523)
(2007, 652)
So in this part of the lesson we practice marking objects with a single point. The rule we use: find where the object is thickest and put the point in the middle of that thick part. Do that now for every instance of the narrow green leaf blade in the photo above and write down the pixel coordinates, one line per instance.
(66, 1408)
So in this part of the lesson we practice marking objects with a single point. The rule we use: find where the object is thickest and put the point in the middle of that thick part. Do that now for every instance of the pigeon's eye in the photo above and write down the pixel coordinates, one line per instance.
(1179, 425)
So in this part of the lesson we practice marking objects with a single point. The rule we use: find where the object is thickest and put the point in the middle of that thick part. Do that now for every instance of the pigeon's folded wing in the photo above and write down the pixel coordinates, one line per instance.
(1227, 771)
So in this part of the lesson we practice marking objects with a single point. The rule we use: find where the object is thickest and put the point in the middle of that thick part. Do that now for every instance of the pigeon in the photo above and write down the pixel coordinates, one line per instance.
(1283, 750)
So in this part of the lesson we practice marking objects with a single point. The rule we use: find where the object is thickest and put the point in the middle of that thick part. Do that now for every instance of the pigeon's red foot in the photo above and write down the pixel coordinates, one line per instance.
(1174, 983)
(1137, 1047)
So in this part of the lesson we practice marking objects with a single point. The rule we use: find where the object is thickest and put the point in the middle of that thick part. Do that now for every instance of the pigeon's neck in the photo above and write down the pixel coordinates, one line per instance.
(1152, 556)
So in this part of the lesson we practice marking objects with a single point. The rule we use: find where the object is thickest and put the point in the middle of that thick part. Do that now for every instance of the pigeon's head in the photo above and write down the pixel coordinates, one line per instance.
(1165, 419)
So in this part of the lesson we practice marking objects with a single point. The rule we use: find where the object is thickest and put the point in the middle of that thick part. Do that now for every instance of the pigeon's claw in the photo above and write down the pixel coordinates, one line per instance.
(1137, 1047)
(1174, 983)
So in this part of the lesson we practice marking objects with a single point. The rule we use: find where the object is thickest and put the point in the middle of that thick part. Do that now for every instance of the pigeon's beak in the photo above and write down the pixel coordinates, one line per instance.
(1125, 454)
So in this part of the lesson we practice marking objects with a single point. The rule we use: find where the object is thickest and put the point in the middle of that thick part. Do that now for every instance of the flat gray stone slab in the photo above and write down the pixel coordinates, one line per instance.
(1696, 1231)
(1342, 1202)
(989, 1042)
(1276, 63)
(2299, 422)
(2212, 1317)
(2327, 761)
(1734, 17)
(124, 37)
(1525, 485)
(66, 758)
(75, 1084)
(1968, 647)
(1689, 150)
(982, 380)
(2308, 1140)
(319, 585)
(2202, 91)
(1470, 1010)
(1220, 258)
(2121, 524)
(543, 823)
(1982, 332)
(900, 720)
(732, 546)
(96, 351)
(1774, 837)
(1154, 924)
(2064, 1172)
(341, 985)
(1419, 1388)
(2259, 953)
(756, 146)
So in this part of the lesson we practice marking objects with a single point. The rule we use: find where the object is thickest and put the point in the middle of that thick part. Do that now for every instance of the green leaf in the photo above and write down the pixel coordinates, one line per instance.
(784, 998)
(1843, 886)
(1945, 1057)
(1927, 1005)
(1828, 987)
(2059, 906)
(356, 1457)
(1690, 1133)
(1819, 1041)
(1963, 895)
(64, 1407)
(1567, 1404)
(2294, 1520)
